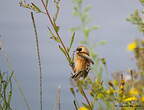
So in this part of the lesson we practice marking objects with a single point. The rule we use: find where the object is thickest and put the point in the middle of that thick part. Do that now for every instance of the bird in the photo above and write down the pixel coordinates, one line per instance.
(82, 62)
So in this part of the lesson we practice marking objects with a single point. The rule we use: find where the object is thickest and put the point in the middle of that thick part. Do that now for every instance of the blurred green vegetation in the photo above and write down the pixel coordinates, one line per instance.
(123, 91)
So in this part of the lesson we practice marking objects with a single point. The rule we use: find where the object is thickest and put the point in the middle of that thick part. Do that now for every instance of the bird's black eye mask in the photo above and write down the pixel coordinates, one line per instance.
(79, 49)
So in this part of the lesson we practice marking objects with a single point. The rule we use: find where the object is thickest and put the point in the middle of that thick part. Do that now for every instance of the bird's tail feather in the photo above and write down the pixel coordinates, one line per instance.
(80, 74)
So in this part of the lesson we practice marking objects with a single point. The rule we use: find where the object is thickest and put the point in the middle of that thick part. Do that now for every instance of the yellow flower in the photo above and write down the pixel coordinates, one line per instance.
(83, 108)
(130, 99)
(142, 98)
(115, 82)
(110, 91)
(133, 91)
(132, 46)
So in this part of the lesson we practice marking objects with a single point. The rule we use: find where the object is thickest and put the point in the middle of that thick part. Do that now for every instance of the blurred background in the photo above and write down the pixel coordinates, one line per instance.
(18, 41)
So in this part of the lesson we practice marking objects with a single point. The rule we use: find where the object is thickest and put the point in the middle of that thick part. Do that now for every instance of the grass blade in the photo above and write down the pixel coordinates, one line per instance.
(39, 59)
(72, 40)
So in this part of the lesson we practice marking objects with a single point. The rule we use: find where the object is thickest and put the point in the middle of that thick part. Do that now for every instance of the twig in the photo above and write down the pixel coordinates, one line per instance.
(58, 99)
(53, 25)
(75, 105)
(39, 59)
(86, 98)
(57, 3)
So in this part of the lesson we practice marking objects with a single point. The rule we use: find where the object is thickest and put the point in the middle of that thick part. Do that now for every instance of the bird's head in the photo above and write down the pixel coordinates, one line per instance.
(82, 49)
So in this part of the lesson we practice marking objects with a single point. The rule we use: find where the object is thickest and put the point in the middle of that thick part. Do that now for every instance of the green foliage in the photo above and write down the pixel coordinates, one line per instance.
(142, 1)
(138, 53)
(94, 88)
(83, 14)
(5, 90)
(47, 2)
(136, 19)
(31, 6)
(116, 93)
(72, 41)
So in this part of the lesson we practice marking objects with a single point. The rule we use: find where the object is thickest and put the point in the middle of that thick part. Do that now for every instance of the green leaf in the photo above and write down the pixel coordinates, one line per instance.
(63, 51)
(73, 92)
(35, 8)
(71, 42)
(94, 28)
(9, 97)
(74, 29)
(85, 105)
(100, 72)
(10, 77)
(55, 26)
(78, 1)
(100, 96)
(87, 8)
(1, 77)
(53, 36)
(103, 60)
(137, 19)
(86, 32)
(142, 1)
(83, 42)
(47, 2)
(75, 13)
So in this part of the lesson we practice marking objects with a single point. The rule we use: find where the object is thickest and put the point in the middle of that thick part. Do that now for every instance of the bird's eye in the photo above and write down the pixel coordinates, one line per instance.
(79, 49)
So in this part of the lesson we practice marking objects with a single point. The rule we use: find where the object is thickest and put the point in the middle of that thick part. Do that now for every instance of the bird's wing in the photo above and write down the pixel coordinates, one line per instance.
(87, 57)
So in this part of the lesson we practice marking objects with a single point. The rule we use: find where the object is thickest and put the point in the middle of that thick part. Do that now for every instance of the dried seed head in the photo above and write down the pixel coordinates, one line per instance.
(110, 84)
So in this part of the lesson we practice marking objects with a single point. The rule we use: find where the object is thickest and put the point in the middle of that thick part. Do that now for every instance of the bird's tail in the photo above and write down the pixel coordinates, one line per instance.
(80, 74)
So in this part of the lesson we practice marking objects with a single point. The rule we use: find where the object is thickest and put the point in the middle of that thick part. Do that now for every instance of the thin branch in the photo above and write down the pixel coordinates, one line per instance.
(39, 59)
(58, 99)
(75, 105)
(85, 96)
(53, 25)
(57, 3)
(87, 100)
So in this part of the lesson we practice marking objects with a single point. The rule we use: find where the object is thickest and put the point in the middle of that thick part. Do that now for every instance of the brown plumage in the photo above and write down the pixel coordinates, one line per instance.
(82, 62)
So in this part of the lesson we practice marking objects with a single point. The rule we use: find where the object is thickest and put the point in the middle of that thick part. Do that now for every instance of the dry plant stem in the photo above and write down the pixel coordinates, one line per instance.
(57, 10)
(58, 99)
(59, 104)
(76, 108)
(39, 59)
(50, 19)
(84, 94)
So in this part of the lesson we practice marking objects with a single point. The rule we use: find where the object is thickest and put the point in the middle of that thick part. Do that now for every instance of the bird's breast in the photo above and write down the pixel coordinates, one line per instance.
(80, 64)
